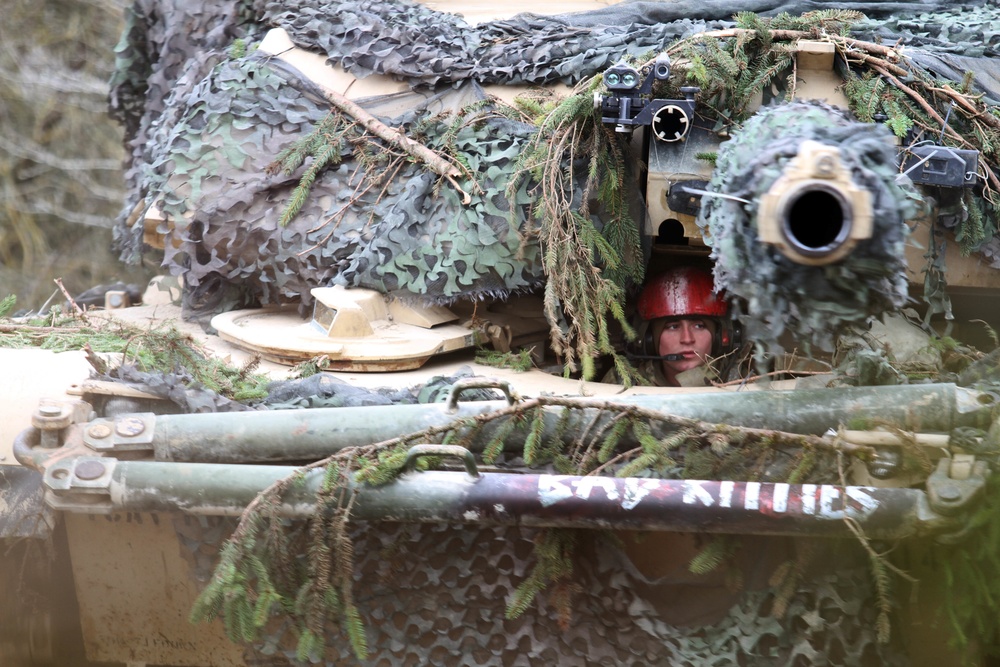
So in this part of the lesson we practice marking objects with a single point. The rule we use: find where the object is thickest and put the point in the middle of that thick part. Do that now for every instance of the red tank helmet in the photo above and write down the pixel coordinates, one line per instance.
(685, 290)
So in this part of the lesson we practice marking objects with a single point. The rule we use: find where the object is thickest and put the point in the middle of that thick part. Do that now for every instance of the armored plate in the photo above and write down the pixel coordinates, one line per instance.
(362, 330)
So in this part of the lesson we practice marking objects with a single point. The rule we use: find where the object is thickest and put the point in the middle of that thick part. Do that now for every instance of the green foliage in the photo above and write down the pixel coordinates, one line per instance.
(238, 48)
(587, 269)
(495, 446)
(974, 230)
(310, 367)
(257, 574)
(325, 145)
(162, 348)
(260, 575)
(7, 305)
(869, 96)
(385, 468)
(970, 570)
(554, 550)
(716, 552)
(709, 157)
(515, 361)
(732, 72)
(830, 21)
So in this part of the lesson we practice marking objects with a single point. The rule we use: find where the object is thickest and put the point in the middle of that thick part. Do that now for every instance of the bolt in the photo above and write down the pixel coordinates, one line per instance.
(824, 165)
(885, 465)
(49, 410)
(89, 470)
(882, 470)
(99, 431)
(949, 493)
(129, 427)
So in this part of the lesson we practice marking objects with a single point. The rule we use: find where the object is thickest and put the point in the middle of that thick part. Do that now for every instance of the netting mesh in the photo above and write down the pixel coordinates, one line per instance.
(437, 594)
(204, 118)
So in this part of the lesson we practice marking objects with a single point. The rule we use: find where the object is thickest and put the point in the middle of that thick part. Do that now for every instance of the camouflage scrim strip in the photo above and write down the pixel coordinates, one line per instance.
(203, 119)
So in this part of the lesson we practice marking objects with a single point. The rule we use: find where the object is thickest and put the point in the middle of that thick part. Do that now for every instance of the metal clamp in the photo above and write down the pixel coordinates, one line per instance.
(417, 452)
(949, 496)
(84, 474)
(478, 383)
(129, 432)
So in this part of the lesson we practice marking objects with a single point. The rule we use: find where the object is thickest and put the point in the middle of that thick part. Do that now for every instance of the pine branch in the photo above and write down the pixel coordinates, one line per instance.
(436, 162)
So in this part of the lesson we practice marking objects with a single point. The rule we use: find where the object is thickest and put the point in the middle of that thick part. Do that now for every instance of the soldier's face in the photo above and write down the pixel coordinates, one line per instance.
(690, 337)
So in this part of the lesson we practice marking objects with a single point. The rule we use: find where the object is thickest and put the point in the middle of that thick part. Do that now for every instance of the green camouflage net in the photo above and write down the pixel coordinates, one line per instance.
(436, 594)
(203, 119)
(411, 236)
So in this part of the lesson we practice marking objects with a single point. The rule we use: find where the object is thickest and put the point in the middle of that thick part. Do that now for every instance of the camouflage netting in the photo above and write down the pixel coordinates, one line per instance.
(436, 594)
(204, 116)
(815, 303)
(322, 390)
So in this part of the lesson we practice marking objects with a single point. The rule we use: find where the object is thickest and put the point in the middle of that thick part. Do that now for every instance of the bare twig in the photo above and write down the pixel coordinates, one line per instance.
(24, 328)
(76, 307)
(766, 375)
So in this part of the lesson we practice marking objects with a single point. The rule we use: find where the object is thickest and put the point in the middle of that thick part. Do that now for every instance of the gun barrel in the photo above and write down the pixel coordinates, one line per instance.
(808, 227)
(815, 213)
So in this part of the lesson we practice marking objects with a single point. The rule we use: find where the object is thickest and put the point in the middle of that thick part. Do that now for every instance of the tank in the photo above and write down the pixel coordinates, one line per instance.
(413, 203)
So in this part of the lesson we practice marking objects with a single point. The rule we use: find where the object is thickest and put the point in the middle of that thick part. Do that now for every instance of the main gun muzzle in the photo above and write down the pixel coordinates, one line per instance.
(815, 213)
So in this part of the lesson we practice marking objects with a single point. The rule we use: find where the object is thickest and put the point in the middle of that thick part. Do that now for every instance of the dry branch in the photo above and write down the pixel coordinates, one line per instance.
(436, 162)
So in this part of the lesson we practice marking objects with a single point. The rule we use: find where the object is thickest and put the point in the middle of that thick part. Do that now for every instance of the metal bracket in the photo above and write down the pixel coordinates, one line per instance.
(948, 495)
(80, 484)
(478, 383)
(132, 432)
(417, 452)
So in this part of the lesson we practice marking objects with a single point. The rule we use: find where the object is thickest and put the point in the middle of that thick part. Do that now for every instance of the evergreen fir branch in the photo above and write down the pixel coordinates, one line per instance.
(7, 305)
(356, 632)
(516, 361)
(715, 552)
(611, 441)
(577, 301)
(554, 549)
(645, 461)
(806, 465)
(329, 154)
(309, 645)
(495, 446)
(785, 584)
(534, 439)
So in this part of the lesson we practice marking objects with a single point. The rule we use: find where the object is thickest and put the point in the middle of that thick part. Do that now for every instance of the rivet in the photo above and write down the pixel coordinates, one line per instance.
(99, 431)
(949, 493)
(89, 470)
(129, 427)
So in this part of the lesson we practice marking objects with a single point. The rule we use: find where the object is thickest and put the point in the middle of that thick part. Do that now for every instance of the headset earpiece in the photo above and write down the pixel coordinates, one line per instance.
(643, 346)
(649, 346)
(728, 336)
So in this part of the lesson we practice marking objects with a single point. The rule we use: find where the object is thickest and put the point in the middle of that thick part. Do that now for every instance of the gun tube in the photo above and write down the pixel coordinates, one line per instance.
(815, 213)
(816, 219)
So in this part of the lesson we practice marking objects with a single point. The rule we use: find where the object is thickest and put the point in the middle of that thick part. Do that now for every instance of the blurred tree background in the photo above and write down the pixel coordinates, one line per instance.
(60, 154)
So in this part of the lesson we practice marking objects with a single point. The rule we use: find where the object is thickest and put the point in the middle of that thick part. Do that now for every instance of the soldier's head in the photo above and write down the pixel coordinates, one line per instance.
(688, 320)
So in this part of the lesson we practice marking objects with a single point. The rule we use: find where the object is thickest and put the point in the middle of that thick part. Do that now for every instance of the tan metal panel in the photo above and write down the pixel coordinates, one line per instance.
(135, 592)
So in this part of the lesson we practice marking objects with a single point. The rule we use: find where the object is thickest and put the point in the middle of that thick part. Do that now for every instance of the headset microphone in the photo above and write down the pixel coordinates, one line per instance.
(659, 357)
